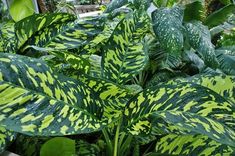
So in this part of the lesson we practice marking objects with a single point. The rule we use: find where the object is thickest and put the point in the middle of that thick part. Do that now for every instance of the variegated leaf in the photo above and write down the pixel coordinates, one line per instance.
(68, 35)
(167, 25)
(6, 137)
(181, 97)
(200, 39)
(31, 25)
(115, 95)
(116, 4)
(192, 145)
(76, 61)
(124, 54)
(7, 37)
(221, 84)
(36, 101)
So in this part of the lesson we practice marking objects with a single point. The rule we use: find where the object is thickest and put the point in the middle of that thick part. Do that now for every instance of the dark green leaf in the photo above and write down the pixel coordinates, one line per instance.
(200, 39)
(167, 25)
(219, 16)
(6, 137)
(226, 62)
(194, 11)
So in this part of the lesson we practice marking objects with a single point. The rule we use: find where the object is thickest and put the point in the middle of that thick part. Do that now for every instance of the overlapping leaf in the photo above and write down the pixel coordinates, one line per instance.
(6, 137)
(115, 95)
(221, 84)
(31, 25)
(200, 39)
(192, 145)
(190, 98)
(36, 101)
(70, 35)
(7, 37)
(167, 25)
(226, 62)
(124, 54)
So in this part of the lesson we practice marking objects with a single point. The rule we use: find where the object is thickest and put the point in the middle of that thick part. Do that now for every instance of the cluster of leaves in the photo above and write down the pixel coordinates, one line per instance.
(137, 78)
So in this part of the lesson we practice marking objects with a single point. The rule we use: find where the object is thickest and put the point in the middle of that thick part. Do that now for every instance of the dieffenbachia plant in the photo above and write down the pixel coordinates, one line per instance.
(36, 100)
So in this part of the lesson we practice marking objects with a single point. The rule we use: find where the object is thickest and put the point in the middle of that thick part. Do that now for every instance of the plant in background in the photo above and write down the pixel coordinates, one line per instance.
(124, 79)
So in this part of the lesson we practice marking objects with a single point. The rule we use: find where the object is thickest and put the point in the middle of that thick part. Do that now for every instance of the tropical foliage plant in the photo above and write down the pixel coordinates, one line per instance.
(122, 83)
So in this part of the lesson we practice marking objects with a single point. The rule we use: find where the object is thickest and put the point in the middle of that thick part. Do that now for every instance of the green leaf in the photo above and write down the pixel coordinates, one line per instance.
(167, 25)
(200, 39)
(76, 61)
(226, 62)
(25, 29)
(192, 145)
(115, 95)
(219, 16)
(6, 137)
(28, 145)
(36, 101)
(194, 11)
(221, 84)
(202, 105)
(59, 146)
(70, 35)
(124, 54)
(7, 37)
(84, 148)
(20, 9)
(114, 4)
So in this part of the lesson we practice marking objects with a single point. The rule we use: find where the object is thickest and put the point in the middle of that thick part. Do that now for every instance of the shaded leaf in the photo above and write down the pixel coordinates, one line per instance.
(200, 39)
(194, 11)
(6, 137)
(219, 16)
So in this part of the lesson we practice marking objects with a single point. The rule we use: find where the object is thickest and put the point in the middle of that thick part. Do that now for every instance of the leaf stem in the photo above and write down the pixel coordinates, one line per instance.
(115, 152)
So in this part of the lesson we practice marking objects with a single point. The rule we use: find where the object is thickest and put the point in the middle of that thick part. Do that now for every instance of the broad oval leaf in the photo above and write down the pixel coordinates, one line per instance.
(34, 100)
(6, 137)
(167, 25)
(182, 97)
(192, 145)
(124, 54)
(200, 39)
(115, 4)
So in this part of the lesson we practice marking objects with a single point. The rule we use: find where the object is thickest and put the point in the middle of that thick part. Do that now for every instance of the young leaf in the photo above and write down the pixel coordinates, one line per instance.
(192, 145)
(36, 101)
(59, 146)
(6, 137)
(124, 54)
(167, 25)
(200, 39)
